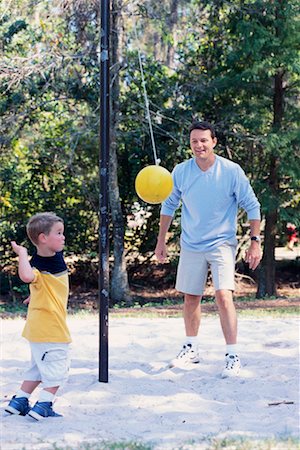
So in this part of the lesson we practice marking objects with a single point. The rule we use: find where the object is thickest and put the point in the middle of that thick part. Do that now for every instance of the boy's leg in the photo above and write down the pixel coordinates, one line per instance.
(50, 364)
(44, 406)
(19, 403)
(53, 363)
(48, 394)
(29, 386)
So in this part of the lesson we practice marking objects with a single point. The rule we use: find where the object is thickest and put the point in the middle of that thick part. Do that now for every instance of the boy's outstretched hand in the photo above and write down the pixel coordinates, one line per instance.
(25, 270)
(18, 248)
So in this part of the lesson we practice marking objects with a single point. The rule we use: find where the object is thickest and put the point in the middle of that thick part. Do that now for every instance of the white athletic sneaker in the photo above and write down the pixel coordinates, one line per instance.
(188, 354)
(232, 366)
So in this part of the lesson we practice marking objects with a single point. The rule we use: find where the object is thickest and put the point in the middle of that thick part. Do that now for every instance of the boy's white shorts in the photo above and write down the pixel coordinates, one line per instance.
(50, 363)
(193, 268)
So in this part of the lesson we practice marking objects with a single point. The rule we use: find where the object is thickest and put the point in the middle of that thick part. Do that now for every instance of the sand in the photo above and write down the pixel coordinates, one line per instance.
(148, 403)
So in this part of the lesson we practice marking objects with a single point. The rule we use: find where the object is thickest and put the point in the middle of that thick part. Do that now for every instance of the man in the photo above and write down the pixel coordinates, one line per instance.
(210, 188)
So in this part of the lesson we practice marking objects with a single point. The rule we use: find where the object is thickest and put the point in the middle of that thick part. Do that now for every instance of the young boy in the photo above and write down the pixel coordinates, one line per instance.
(45, 328)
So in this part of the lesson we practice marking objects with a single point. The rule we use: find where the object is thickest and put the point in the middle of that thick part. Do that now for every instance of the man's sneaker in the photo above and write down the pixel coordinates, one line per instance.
(42, 410)
(18, 406)
(232, 366)
(188, 354)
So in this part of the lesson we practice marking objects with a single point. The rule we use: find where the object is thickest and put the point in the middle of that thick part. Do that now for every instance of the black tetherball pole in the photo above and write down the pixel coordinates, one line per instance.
(103, 200)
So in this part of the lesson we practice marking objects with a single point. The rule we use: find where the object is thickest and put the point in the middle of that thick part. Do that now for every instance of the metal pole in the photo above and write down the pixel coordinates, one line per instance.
(103, 199)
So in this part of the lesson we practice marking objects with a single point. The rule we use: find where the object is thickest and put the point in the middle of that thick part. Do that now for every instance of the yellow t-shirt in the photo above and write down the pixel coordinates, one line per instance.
(47, 310)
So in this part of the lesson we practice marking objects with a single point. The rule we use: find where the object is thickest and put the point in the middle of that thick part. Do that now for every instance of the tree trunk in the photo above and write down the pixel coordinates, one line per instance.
(267, 271)
(119, 277)
(172, 22)
(266, 276)
(267, 282)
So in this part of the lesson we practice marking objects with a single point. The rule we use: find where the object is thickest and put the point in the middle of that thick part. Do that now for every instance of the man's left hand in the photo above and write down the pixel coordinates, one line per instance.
(253, 255)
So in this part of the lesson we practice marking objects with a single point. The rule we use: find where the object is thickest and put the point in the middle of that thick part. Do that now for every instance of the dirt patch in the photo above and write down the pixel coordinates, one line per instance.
(157, 302)
(152, 289)
(168, 301)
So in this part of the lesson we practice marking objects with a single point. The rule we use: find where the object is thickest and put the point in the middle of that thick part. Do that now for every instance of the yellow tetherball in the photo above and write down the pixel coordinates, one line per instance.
(153, 184)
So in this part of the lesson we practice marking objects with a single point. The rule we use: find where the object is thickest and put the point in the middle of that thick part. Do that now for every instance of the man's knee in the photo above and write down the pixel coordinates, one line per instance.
(190, 299)
(224, 298)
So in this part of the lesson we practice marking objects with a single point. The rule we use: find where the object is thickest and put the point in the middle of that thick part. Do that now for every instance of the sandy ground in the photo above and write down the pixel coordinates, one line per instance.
(145, 401)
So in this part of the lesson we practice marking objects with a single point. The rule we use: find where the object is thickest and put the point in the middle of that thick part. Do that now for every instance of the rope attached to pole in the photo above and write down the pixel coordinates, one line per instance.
(156, 160)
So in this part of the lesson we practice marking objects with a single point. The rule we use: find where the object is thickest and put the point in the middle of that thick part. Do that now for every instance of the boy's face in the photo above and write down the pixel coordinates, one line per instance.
(55, 240)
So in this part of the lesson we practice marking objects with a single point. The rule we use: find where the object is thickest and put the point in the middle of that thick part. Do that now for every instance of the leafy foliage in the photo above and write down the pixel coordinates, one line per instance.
(215, 60)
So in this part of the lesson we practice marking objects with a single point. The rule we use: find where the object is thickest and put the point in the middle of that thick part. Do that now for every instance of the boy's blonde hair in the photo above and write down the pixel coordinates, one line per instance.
(41, 223)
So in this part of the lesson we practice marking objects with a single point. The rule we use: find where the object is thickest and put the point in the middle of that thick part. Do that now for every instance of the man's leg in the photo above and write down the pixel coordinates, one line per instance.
(192, 314)
(190, 280)
(222, 261)
(227, 315)
(228, 321)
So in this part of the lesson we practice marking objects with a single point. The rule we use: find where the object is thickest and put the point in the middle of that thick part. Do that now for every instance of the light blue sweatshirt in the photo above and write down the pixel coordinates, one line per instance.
(210, 201)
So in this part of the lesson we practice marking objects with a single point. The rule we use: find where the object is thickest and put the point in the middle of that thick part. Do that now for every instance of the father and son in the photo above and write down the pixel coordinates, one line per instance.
(209, 189)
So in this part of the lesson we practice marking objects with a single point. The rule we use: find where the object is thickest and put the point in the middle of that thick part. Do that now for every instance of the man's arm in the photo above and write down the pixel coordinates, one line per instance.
(161, 248)
(253, 254)
(25, 270)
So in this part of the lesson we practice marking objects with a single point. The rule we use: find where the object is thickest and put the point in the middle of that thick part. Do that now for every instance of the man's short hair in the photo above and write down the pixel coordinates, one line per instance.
(41, 223)
(196, 125)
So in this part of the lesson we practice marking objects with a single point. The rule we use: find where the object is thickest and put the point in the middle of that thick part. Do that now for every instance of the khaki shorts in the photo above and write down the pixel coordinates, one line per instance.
(193, 268)
(50, 363)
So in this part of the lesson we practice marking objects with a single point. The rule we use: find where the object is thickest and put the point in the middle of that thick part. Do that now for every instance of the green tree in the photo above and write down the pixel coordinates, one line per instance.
(242, 74)
(48, 109)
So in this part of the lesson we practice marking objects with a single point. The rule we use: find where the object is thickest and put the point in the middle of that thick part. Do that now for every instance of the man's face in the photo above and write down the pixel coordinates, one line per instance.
(202, 145)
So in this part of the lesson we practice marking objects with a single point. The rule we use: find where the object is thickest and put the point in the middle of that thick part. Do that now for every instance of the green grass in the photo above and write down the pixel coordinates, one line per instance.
(239, 443)
(291, 311)
(248, 444)
(105, 446)
(241, 313)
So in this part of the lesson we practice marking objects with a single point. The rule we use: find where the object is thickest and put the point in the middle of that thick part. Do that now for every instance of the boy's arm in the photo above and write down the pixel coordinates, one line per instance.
(25, 270)
(26, 301)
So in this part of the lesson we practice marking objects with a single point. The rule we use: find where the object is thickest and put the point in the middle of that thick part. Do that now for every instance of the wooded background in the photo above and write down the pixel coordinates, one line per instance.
(234, 63)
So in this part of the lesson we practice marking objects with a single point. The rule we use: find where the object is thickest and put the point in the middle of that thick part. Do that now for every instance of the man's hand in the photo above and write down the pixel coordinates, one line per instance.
(161, 251)
(253, 255)
(161, 248)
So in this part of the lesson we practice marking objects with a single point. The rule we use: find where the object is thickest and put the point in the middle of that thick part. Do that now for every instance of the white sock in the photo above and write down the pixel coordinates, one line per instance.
(46, 396)
(232, 349)
(191, 340)
(21, 393)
